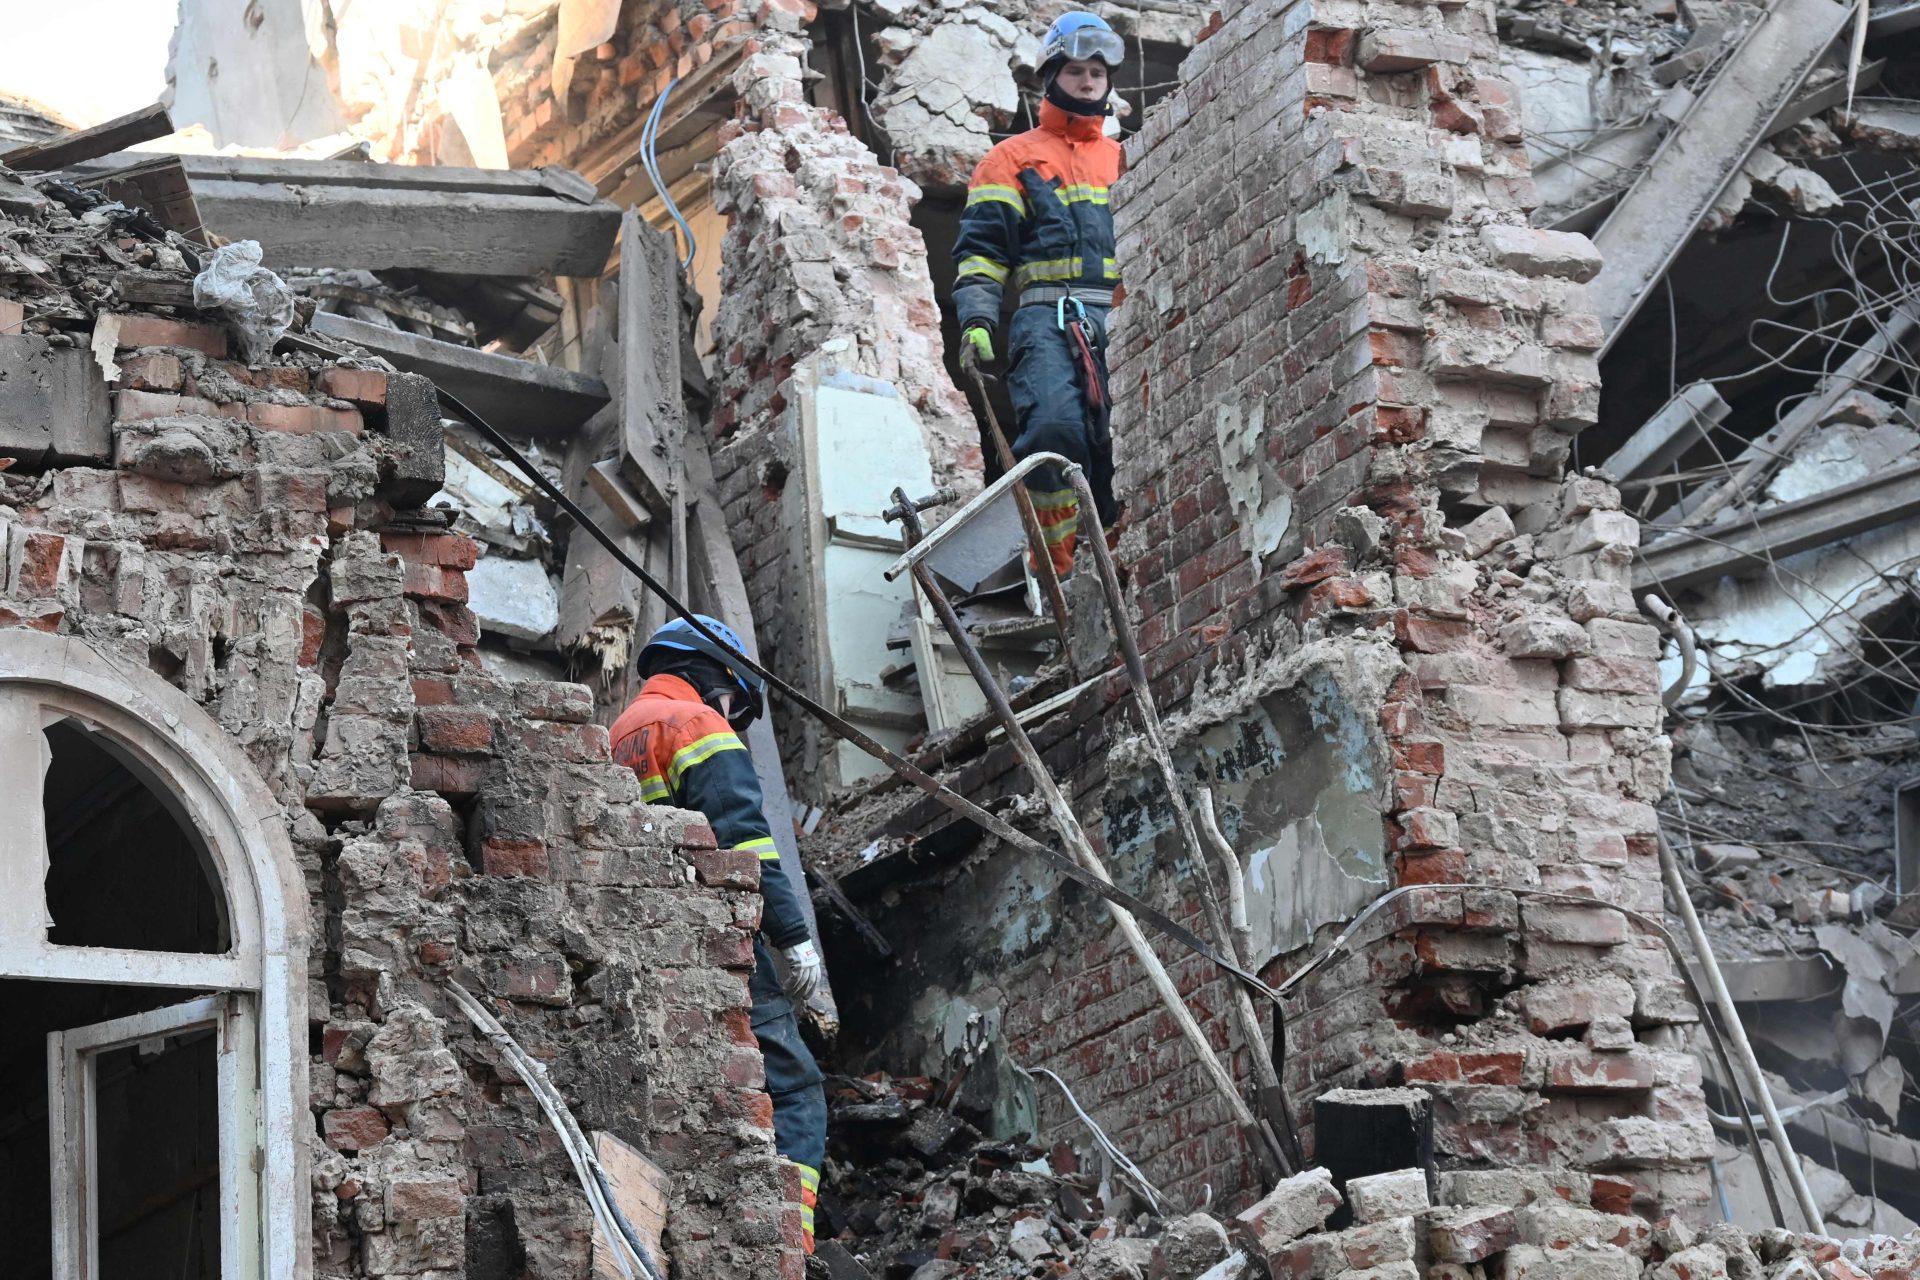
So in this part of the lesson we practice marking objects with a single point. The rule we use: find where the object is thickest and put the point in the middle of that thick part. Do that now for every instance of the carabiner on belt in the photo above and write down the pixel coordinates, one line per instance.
(1060, 312)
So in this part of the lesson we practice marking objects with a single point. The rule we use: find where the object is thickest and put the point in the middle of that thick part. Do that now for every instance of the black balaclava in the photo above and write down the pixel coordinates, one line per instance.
(1070, 104)
(697, 669)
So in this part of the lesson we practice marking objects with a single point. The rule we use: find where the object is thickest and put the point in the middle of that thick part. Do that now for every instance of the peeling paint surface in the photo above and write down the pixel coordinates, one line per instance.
(1298, 785)
(1263, 505)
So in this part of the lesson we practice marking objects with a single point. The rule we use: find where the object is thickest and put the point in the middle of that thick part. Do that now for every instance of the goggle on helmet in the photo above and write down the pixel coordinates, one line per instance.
(1081, 37)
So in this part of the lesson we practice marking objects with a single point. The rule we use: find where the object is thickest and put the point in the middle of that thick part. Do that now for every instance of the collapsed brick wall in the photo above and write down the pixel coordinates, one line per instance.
(818, 251)
(1366, 288)
(1346, 373)
(615, 84)
(235, 529)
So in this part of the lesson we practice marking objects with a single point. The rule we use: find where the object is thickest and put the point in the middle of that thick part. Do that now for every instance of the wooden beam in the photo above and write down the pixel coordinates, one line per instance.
(651, 413)
(517, 396)
(139, 126)
(1754, 539)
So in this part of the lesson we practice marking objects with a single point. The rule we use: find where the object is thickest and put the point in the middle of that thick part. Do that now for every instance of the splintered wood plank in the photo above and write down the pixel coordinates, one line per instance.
(143, 125)
(640, 1191)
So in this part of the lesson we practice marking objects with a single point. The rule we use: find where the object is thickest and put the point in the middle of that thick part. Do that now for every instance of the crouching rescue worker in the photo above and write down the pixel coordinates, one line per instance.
(1037, 218)
(681, 736)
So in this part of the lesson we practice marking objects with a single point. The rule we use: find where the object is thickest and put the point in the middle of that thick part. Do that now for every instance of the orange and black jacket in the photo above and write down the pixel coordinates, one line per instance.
(687, 755)
(1037, 215)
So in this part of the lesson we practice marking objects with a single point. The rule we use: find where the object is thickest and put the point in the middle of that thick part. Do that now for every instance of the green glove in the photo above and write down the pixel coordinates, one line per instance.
(976, 345)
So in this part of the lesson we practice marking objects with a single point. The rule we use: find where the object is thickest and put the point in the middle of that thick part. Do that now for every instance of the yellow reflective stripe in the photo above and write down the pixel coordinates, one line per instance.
(1111, 268)
(1082, 192)
(1057, 513)
(653, 787)
(1000, 195)
(699, 750)
(978, 266)
(809, 1176)
(1054, 269)
(762, 845)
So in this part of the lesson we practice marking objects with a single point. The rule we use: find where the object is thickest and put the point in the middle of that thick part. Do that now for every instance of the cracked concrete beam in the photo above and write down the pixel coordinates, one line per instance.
(1704, 152)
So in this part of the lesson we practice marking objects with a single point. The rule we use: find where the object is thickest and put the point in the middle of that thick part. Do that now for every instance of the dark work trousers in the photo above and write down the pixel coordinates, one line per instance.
(793, 1079)
(1048, 390)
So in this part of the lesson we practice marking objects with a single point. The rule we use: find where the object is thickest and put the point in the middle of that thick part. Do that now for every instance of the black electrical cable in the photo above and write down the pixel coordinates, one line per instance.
(953, 800)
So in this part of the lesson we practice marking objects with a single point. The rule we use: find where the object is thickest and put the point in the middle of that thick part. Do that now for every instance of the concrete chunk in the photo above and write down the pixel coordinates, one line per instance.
(1388, 1195)
(1385, 50)
(1532, 252)
(1472, 1234)
(53, 403)
(1298, 1205)
(1581, 1262)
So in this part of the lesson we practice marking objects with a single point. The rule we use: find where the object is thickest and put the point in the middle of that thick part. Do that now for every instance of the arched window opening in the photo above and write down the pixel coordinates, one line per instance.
(125, 865)
(153, 1084)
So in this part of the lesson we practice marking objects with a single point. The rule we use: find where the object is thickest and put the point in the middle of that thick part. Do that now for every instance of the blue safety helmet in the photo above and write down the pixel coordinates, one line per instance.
(1078, 37)
(680, 634)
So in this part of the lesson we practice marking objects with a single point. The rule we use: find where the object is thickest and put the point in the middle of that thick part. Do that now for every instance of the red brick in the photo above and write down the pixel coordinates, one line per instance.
(425, 1198)
(449, 775)
(727, 868)
(12, 316)
(139, 406)
(454, 621)
(456, 730)
(354, 1128)
(1578, 1069)
(37, 563)
(431, 582)
(153, 331)
(1315, 566)
(303, 419)
(362, 386)
(281, 489)
(313, 636)
(282, 377)
(1332, 46)
(432, 691)
(514, 856)
(44, 618)
(446, 550)
(156, 372)
(1420, 756)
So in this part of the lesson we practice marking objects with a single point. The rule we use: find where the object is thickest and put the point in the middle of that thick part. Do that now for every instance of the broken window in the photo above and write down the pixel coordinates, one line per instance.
(144, 982)
(125, 867)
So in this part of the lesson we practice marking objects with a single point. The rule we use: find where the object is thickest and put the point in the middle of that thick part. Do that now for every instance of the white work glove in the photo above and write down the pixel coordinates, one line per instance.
(804, 971)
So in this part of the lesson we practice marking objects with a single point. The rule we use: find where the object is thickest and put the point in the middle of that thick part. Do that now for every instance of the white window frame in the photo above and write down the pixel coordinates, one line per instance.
(74, 1137)
(262, 976)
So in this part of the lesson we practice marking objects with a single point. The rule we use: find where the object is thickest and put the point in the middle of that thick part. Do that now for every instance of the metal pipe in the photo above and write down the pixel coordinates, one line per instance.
(975, 505)
(1060, 813)
(1030, 521)
(1737, 1035)
(1676, 626)
(1264, 1074)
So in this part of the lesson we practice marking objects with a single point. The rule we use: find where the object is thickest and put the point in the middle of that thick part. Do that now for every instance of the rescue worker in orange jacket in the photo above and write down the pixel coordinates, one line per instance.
(1037, 220)
(679, 735)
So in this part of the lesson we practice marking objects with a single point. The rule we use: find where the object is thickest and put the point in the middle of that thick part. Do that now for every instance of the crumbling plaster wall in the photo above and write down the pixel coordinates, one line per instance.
(1346, 376)
(819, 257)
(238, 530)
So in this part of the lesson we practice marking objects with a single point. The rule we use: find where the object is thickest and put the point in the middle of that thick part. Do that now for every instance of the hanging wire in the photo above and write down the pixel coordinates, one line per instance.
(649, 138)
